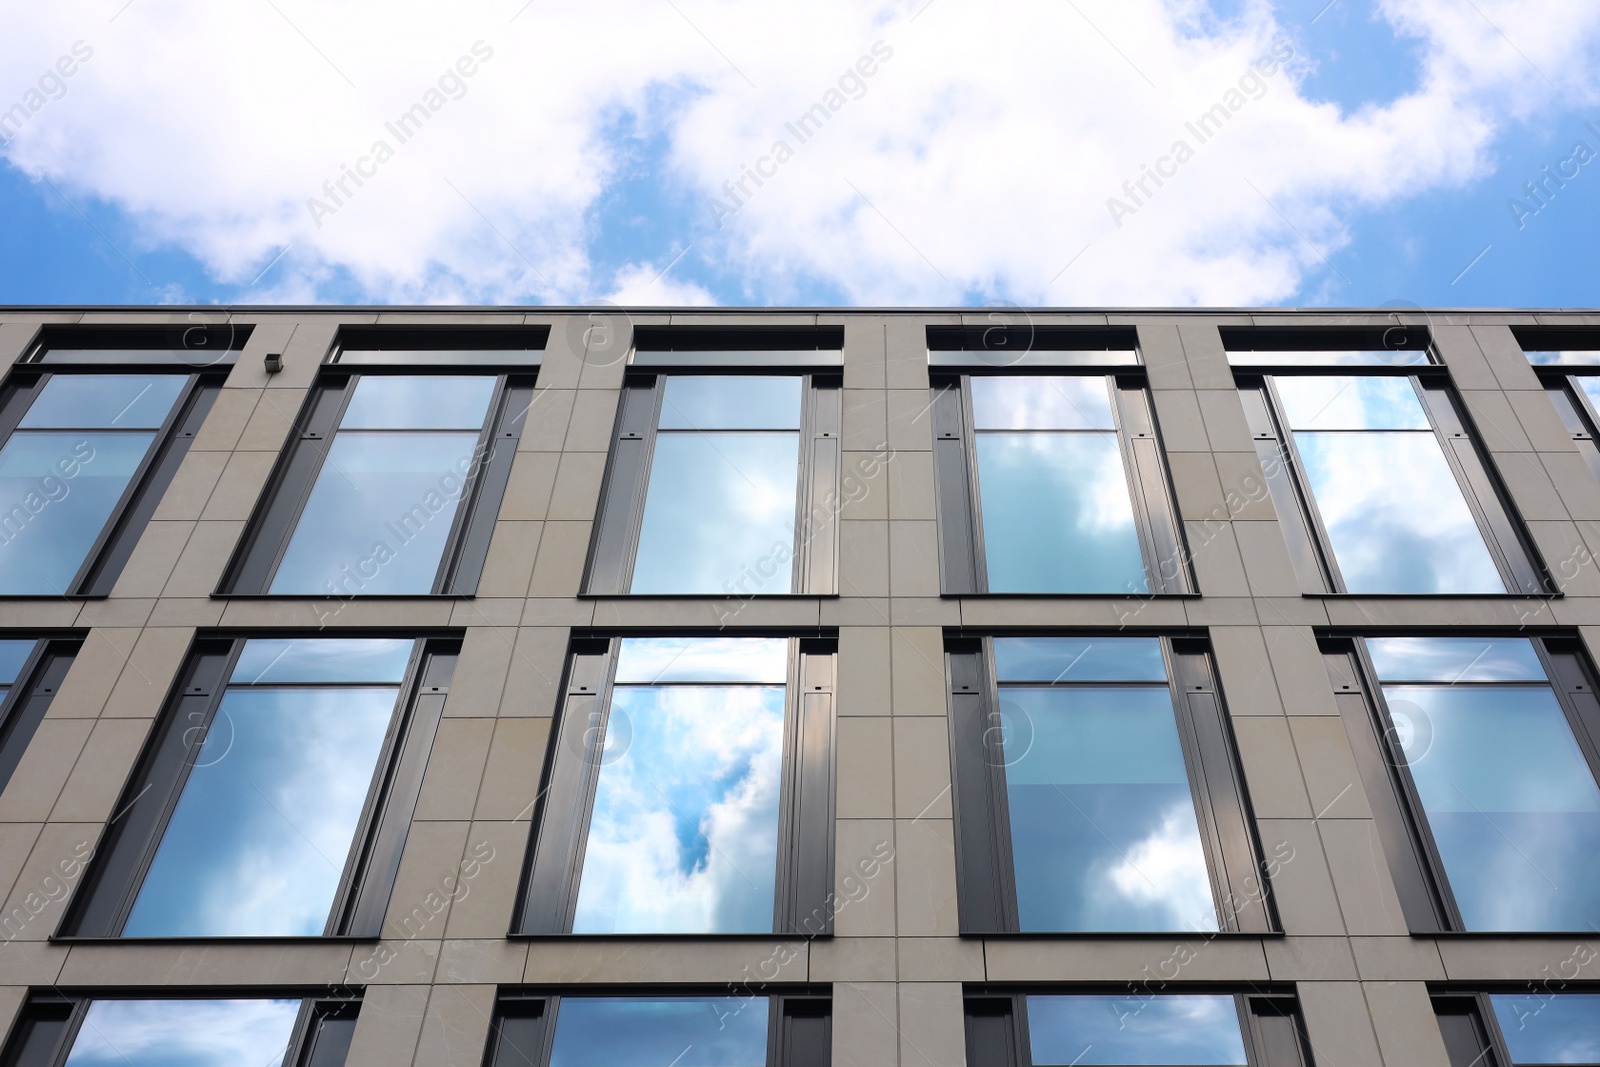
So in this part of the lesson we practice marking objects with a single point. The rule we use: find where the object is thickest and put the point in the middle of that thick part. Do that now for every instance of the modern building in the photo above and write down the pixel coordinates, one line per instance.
(572, 687)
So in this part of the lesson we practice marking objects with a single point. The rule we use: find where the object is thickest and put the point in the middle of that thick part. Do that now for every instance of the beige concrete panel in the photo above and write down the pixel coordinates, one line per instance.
(1310, 959)
(16, 843)
(1178, 417)
(1553, 960)
(917, 664)
(455, 1028)
(1244, 486)
(1361, 877)
(910, 420)
(864, 558)
(1397, 959)
(1205, 358)
(511, 776)
(455, 769)
(1194, 476)
(1532, 491)
(152, 665)
(932, 1025)
(708, 961)
(15, 340)
(1580, 493)
(911, 493)
(39, 896)
(93, 674)
(1430, 612)
(925, 858)
(46, 763)
(225, 422)
(922, 767)
(534, 673)
(1498, 428)
(240, 486)
(558, 568)
(1218, 569)
(865, 760)
(30, 963)
(1505, 356)
(866, 486)
(528, 489)
(241, 965)
(38, 614)
(576, 494)
(205, 556)
(356, 612)
(1266, 559)
(940, 959)
(407, 962)
(1402, 1017)
(594, 418)
(1181, 958)
(924, 611)
(866, 420)
(709, 613)
(1469, 369)
(188, 611)
(508, 568)
(1302, 888)
(271, 421)
(191, 486)
(428, 880)
(116, 612)
(1537, 417)
(491, 871)
(91, 791)
(913, 558)
(482, 960)
(1271, 769)
(1154, 612)
(864, 878)
(1246, 677)
(548, 417)
(1329, 767)
(156, 553)
(866, 1030)
(388, 1026)
(1338, 1026)
(865, 349)
(489, 611)
(1226, 425)
(1303, 684)
(850, 960)
(1163, 354)
(906, 344)
(864, 672)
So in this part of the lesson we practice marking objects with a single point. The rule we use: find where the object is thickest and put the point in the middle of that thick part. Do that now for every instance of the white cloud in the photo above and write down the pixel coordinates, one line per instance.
(978, 158)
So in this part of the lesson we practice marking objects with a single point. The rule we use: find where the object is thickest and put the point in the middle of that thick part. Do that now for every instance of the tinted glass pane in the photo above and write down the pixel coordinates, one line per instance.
(1134, 1030)
(57, 492)
(1550, 1027)
(1079, 659)
(1591, 386)
(319, 659)
(1103, 827)
(1455, 659)
(731, 402)
(703, 659)
(719, 514)
(1395, 514)
(119, 401)
(13, 654)
(1510, 800)
(1338, 402)
(379, 515)
(1362, 358)
(1053, 402)
(1578, 357)
(259, 838)
(422, 402)
(684, 832)
(1057, 516)
(184, 1033)
(658, 1031)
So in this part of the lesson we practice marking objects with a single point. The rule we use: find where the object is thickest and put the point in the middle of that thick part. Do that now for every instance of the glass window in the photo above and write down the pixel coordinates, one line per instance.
(258, 842)
(13, 654)
(721, 502)
(183, 1033)
(683, 835)
(380, 514)
(65, 468)
(1576, 357)
(657, 1031)
(1510, 799)
(1053, 489)
(1135, 1030)
(1549, 1027)
(1391, 507)
(1104, 831)
(1369, 357)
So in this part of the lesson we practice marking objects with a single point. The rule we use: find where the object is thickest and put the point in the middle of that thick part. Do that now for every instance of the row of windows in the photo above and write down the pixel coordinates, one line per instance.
(688, 787)
(1043, 1028)
(728, 483)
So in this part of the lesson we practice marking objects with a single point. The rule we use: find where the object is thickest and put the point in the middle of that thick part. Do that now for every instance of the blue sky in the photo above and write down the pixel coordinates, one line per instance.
(1375, 169)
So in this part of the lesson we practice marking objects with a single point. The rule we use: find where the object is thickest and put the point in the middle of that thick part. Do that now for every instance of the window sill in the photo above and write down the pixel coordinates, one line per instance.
(1129, 597)
(334, 597)
(1435, 596)
(1130, 935)
(332, 939)
(710, 598)
(677, 938)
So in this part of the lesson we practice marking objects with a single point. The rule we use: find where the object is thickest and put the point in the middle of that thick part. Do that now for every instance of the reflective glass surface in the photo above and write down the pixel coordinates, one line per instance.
(703, 659)
(1549, 1027)
(1591, 388)
(660, 1032)
(1510, 800)
(1345, 402)
(1047, 402)
(419, 402)
(1578, 357)
(1104, 834)
(1394, 513)
(1057, 515)
(322, 659)
(1079, 659)
(184, 1033)
(1122, 1030)
(1455, 659)
(683, 836)
(258, 840)
(104, 401)
(719, 514)
(731, 402)
(379, 515)
(1377, 357)
(57, 492)
(13, 654)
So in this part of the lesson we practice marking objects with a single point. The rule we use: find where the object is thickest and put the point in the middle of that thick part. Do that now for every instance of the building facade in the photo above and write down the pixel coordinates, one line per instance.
(729, 688)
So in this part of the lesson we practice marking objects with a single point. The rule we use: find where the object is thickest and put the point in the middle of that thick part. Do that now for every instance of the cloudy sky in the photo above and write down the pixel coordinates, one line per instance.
(957, 152)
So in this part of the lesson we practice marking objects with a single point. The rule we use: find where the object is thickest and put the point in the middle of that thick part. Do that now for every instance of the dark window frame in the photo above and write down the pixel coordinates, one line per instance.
(1419, 875)
(104, 899)
(28, 700)
(459, 348)
(1157, 520)
(1235, 863)
(1502, 528)
(804, 889)
(1578, 413)
(614, 544)
(48, 1024)
(996, 1021)
(103, 563)
(799, 1020)
(279, 509)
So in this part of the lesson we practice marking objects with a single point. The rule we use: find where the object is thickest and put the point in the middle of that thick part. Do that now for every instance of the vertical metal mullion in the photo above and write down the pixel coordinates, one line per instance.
(807, 836)
(1579, 417)
(627, 479)
(1160, 524)
(955, 484)
(481, 490)
(1274, 1033)
(18, 399)
(1295, 468)
(1577, 698)
(1311, 559)
(818, 500)
(987, 897)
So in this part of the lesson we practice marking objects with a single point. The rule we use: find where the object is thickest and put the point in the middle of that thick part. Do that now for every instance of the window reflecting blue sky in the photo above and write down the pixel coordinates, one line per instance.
(13, 654)
(1121, 1030)
(1354, 358)
(1079, 659)
(660, 1031)
(683, 836)
(104, 401)
(184, 1033)
(703, 659)
(322, 659)
(1455, 659)
(418, 402)
(1549, 1027)
(1041, 402)
(731, 402)
(1350, 402)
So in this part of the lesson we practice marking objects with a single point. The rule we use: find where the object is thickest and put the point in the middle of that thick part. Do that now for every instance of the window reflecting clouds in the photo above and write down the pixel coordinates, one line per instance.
(1120, 1030)
(184, 1033)
(1455, 659)
(660, 1031)
(1342, 402)
(1549, 1027)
